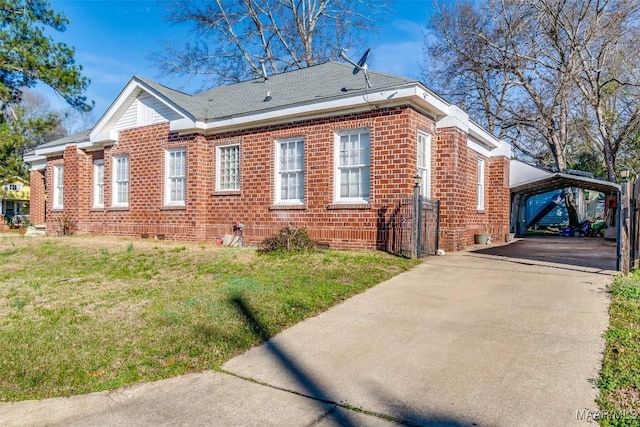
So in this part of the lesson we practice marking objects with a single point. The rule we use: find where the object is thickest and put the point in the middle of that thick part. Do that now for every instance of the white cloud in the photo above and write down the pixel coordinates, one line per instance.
(401, 51)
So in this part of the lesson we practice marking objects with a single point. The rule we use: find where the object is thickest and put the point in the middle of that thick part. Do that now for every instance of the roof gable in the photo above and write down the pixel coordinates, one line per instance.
(141, 103)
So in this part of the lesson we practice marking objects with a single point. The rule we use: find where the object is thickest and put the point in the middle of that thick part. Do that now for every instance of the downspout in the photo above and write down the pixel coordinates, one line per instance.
(618, 234)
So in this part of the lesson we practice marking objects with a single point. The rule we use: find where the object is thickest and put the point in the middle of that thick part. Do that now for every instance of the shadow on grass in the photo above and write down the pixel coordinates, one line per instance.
(341, 414)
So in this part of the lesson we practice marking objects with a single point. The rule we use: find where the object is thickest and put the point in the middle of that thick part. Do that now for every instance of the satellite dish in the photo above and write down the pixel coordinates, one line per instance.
(361, 65)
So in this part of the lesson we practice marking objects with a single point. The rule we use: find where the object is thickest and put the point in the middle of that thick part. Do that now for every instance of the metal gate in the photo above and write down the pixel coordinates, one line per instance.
(428, 227)
(411, 229)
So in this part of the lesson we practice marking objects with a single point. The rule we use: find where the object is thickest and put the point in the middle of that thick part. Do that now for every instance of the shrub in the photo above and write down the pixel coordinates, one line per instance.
(67, 225)
(288, 239)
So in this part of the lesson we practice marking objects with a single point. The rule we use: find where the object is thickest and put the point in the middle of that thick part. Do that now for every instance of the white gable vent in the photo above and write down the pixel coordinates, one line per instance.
(145, 110)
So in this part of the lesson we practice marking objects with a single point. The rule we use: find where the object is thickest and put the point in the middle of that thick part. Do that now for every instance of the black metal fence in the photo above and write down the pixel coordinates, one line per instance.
(428, 227)
(411, 229)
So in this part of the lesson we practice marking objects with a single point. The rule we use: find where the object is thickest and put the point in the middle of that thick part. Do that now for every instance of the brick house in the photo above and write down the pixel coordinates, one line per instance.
(315, 147)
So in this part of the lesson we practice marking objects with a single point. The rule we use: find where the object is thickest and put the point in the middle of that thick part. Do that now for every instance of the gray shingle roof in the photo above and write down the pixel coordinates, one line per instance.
(312, 84)
(331, 80)
(82, 136)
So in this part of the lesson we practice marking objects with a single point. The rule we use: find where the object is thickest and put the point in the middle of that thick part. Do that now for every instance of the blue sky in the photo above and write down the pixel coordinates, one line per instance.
(115, 38)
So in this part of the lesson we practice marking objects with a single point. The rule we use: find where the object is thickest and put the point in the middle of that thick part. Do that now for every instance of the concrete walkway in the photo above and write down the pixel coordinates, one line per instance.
(461, 340)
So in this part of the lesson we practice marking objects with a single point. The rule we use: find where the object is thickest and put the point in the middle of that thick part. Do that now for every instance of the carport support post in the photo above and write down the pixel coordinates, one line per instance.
(624, 225)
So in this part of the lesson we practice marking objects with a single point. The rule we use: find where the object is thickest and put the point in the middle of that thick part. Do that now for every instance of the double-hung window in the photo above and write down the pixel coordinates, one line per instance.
(352, 163)
(120, 181)
(58, 187)
(98, 183)
(175, 177)
(290, 171)
(424, 163)
(480, 196)
(228, 168)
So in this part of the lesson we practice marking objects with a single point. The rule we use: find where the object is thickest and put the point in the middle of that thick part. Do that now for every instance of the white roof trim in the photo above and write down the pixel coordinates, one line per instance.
(36, 162)
(413, 94)
(123, 101)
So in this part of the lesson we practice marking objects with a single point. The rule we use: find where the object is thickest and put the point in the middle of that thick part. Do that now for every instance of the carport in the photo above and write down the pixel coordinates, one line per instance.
(527, 181)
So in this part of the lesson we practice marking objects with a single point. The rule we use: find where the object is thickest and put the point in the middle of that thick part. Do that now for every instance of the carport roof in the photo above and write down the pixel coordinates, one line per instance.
(556, 181)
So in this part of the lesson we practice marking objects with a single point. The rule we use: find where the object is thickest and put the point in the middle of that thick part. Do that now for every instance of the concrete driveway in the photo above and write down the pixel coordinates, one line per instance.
(590, 252)
(462, 340)
(465, 339)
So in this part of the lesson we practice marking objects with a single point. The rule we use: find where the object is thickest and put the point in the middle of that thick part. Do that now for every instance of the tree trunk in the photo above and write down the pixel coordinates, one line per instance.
(572, 211)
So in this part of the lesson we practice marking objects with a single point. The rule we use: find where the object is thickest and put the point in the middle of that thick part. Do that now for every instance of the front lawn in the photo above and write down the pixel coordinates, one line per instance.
(81, 314)
(620, 378)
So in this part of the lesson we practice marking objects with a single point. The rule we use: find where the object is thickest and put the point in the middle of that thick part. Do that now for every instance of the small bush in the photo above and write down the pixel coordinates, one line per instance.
(288, 239)
(67, 225)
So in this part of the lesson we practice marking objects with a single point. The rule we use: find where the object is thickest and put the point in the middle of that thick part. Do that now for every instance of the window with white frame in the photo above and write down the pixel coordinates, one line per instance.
(120, 181)
(98, 183)
(175, 177)
(228, 167)
(289, 180)
(58, 187)
(13, 187)
(352, 163)
(424, 163)
(480, 196)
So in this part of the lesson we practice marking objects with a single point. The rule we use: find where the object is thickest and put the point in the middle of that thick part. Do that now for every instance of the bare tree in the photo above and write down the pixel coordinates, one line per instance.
(231, 37)
(539, 72)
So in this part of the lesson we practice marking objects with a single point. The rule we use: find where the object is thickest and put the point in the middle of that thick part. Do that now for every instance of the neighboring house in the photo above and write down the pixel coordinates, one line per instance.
(15, 196)
(315, 147)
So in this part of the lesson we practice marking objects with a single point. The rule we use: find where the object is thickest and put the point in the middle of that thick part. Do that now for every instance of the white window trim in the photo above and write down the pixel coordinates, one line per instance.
(424, 172)
(167, 182)
(336, 168)
(219, 149)
(58, 187)
(114, 187)
(481, 187)
(278, 178)
(96, 188)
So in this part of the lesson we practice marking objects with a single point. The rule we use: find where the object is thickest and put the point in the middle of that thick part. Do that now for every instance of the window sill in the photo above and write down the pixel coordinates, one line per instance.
(174, 208)
(227, 193)
(97, 209)
(57, 209)
(334, 206)
(118, 208)
(283, 207)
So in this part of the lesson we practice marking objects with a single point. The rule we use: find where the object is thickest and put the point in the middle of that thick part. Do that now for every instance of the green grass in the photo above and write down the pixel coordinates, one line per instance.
(619, 382)
(79, 315)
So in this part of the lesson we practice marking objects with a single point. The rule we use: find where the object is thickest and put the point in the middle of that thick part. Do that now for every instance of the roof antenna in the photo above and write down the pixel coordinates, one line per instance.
(264, 70)
(361, 65)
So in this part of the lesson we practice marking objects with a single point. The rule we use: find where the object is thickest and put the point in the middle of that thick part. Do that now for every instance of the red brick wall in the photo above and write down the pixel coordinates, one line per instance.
(37, 202)
(452, 187)
(498, 197)
(208, 214)
(455, 185)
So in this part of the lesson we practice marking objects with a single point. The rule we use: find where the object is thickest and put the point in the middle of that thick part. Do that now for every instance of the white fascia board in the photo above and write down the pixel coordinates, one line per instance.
(478, 148)
(436, 103)
(186, 124)
(51, 151)
(481, 136)
(36, 162)
(455, 118)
